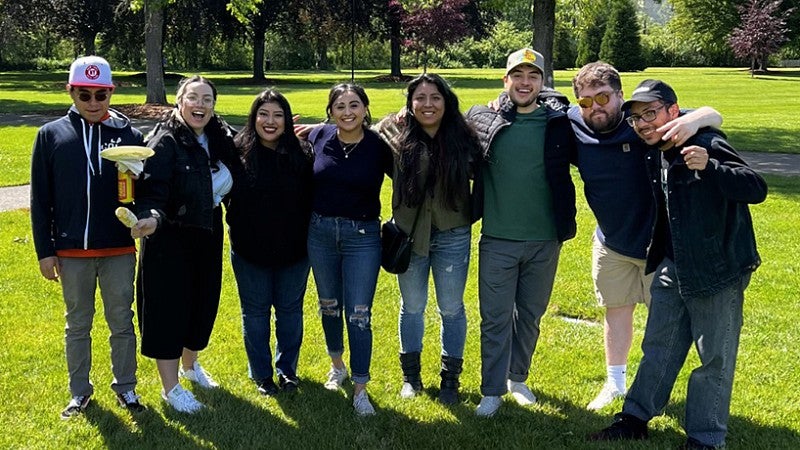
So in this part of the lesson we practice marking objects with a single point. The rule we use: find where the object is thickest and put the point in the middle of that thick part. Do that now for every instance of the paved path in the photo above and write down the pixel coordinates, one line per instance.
(16, 197)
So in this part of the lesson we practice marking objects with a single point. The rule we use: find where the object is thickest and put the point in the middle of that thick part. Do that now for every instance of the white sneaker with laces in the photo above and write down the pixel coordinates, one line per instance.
(362, 405)
(521, 393)
(182, 400)
(488, 406)
(336, 377)
(199, 375)
(608, 394)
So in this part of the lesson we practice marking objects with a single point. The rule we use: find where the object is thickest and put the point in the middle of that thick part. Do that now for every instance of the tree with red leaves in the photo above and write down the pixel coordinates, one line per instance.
(435, 27)
(761, 33)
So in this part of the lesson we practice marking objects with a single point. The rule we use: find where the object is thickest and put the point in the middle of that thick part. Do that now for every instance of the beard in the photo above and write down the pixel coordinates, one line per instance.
(602, 123)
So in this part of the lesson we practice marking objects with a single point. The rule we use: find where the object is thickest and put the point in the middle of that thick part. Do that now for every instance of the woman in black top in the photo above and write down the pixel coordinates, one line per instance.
(268, 212)
(178, 200)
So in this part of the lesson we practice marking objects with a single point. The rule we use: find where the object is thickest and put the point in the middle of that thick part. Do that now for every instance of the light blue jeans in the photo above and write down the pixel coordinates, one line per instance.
(345, 257)
(674, 323)
(448, 259)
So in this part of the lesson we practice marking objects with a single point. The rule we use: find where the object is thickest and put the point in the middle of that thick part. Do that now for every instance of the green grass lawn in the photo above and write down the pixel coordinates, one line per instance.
(754, 111)
(567, 370)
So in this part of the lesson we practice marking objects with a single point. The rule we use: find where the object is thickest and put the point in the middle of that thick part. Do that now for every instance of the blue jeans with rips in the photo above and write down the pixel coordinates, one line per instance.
(262, 289)
(448, 260)
(345, 256)
(713, 324)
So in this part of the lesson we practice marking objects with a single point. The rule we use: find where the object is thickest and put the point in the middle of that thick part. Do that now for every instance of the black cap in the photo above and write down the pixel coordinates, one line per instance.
(649, 91)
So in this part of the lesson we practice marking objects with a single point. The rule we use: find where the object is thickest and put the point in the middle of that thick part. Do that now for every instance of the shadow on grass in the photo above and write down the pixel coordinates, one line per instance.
(762, 139)
(744, 432)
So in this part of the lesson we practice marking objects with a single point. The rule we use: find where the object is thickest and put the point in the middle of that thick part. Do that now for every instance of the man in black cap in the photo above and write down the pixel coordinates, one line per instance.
(702, 251)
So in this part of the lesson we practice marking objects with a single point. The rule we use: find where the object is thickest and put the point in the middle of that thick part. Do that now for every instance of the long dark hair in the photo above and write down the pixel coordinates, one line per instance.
(247, 139)
(449, 163)
(340, 89)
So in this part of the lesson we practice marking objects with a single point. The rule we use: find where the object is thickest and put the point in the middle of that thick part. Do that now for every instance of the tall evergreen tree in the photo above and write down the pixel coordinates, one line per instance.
(621, 46)
(589, 41)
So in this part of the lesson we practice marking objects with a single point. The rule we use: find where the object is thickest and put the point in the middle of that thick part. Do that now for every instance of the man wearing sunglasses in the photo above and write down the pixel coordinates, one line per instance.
(610, 159)
(78, 239)
(703, 251)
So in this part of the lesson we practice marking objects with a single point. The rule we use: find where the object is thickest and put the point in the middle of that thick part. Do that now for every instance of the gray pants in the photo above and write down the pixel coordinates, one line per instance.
(79, 280)
(515, 280)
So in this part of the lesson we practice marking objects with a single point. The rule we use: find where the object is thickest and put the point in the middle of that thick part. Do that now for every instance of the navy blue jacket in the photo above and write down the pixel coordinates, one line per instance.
(559, 145)
(708, 215)
(73, 190)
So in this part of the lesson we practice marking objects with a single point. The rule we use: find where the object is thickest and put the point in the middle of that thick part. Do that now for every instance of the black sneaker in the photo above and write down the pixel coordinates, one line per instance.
(288, 383)
(75, 406)
(266, 387)
(130, 401)
(625, 427)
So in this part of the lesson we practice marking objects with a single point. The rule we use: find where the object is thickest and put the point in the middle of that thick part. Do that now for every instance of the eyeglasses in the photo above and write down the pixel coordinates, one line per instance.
(86, 97)
(647, 116)
(602, 99)
(192, 99)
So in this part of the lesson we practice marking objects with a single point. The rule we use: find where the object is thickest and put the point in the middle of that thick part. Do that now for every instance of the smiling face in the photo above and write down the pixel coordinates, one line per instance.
(87, 103)
(348, 112)
(270, 124)
(523, 84)
(658, 113)
(427, 105)
(196, 105)
(602, 118)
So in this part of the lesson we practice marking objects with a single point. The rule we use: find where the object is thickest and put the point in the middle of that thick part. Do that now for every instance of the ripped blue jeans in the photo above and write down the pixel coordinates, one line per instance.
(345, 257)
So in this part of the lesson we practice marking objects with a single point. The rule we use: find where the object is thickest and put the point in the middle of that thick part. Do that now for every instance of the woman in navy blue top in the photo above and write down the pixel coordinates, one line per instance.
(344, 245)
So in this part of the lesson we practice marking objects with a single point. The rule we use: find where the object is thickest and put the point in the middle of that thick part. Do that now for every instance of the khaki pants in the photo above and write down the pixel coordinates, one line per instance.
(79, 280)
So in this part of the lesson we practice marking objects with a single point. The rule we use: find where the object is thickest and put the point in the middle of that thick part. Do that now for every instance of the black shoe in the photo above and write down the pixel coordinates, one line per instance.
(130, 401)
(75, 406)
(266, 387)
(625, 427)
(288, 383)
(448, 389)
(693, 444)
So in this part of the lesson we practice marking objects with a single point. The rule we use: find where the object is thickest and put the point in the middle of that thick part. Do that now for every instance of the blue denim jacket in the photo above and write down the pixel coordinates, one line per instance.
(708, 215)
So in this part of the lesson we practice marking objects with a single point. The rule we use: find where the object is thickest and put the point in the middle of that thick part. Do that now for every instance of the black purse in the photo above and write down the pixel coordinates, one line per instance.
(396, 245)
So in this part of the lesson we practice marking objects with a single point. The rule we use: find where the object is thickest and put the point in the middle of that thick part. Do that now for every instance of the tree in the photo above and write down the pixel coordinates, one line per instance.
(82, 20)
(153, 48)
(621, 46)
(592, 19)
(762, 31)
(435, 27)
(544, 19)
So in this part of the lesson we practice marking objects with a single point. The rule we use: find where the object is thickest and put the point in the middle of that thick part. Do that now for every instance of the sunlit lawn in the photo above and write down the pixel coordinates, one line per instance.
(567, 370)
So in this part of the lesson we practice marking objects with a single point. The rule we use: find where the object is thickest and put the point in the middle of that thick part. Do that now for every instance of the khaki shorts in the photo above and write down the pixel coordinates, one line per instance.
(619, 280)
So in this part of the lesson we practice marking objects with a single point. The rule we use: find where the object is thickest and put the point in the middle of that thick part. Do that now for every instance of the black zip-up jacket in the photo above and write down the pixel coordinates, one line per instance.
(176, 181)
(707, 215)
(559, 146)
(73, 189)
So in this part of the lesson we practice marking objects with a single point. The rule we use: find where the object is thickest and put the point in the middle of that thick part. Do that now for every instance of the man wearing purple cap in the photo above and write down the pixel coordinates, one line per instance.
(702, 252)
(524, 192)
(78, 239)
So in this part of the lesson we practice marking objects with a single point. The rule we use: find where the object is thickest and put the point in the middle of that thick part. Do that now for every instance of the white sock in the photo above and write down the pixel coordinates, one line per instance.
(616, 376)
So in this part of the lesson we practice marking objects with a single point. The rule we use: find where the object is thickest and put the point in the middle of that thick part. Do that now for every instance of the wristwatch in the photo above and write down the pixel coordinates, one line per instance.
(156, 215)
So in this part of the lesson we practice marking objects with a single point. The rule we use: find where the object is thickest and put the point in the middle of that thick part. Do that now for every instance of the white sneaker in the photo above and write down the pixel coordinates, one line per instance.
(336, 377)
(488, 406)
(362, 405)
(182, 400)
(521, 393)
(199, 375)
(608, 394)
(408, 391)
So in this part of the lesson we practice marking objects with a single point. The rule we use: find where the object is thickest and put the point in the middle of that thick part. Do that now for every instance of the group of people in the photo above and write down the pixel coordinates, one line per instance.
(669, 195)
